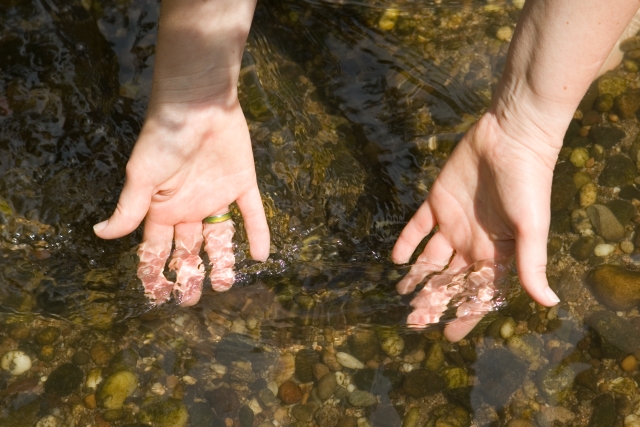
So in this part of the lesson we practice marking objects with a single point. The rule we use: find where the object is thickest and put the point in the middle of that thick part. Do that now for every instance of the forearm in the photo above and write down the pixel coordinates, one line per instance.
(555, 54)
(199, 51)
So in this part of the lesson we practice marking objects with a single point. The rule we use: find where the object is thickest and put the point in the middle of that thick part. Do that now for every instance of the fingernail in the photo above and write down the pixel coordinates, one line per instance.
(551, 296)
(100, 226)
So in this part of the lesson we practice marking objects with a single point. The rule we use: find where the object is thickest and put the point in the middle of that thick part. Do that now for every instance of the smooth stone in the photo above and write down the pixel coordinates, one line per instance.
(588, 194)
(246, 416)
(81, 358)
(623, 210)
(422, 382)
(604, 249)
(582, 248)
(569, 286)
(285, 368)
(629, 192)
(267, 398)
(289, 393)
(201, 415)
(125, 359)
(555, 382)
(455, 377)
(320, 370)
(554, 415)
(224, 400)
(113, 414)
(616, 330)
(304, 412)
(632, 43)
(499, 374)
(605, 223)
(16, 362)
(164, 413)
(234, 346)
(348, 421)
(411, 418)
(393, 345)
(100, 353)
(628, 103)
(581, 178)
(618, 171)
(604, 412)
(434, 359)
(363, 344)
(326, 386)
(449, 415)
(47, 335)
(361, 398)
(579, 157)
(116, 389)
(563, 190)
(593, 117)
(611, 84)
(348, 361)
(604, 103)
(606, 136)
(305, 359)
(614, 286)
(327, 416)
(64, 380)
(364, 378)
(525, 346)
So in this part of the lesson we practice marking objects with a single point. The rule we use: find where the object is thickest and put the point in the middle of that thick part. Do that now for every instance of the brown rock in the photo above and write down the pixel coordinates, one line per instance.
(90, 401)
(289, 393)
(628, 103)
(632, 43)
(615, 287)
(100, 353)
(320, 370)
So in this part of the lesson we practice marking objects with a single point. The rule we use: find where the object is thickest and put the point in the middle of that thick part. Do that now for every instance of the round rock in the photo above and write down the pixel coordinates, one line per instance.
(614, 286)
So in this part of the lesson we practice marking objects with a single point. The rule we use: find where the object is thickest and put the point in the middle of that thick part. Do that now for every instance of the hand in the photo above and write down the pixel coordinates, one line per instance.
(191, 160)
(490, 201)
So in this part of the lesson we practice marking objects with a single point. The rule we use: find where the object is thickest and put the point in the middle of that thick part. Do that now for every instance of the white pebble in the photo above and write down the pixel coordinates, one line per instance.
(189, 380)
(508, 328)
(348, 361)
(94, 378)
(340, 377)
(255, 406)
(627, 246)
(363, 422)
(632, 420)
(48, 421)
(16, 362)
(219, 369)
(604, 249)
(158, 389)
(351, 388)
(273, 386)
(504, 33)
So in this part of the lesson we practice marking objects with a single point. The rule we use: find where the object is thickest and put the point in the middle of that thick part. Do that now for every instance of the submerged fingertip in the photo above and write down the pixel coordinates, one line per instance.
(551, 296)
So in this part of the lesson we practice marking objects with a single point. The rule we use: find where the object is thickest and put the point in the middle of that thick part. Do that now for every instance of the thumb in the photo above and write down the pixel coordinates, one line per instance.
(531, 261)
(255, 222)
(131, 209)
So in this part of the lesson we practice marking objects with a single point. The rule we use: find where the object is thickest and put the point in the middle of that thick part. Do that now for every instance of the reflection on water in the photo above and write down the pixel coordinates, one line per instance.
(353, 108)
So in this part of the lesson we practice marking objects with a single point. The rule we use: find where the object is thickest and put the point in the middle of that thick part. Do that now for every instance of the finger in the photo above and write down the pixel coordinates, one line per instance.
(131, 209)
(153, 253)
(416, 229)
(429, 261)
(531, 261)
(187, 264)
(255, 222)
(459, 328)
(219, 247)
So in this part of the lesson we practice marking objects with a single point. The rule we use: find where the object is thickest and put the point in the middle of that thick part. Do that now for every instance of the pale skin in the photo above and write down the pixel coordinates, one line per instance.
(491, 200)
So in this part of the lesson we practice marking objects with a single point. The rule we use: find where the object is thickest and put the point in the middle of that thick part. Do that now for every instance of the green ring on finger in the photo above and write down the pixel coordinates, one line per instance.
(214, 219)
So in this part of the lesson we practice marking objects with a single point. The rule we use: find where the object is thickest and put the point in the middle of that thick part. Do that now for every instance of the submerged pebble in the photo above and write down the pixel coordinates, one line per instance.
(16, 362)
(614, 286)
(348, 361)
(116, 389)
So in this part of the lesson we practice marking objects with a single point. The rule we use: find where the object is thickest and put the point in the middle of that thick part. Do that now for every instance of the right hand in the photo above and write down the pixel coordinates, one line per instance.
(191, 160)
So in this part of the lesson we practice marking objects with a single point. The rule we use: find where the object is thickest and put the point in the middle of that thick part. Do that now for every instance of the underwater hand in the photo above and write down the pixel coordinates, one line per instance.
(490, 201)
(191, 160)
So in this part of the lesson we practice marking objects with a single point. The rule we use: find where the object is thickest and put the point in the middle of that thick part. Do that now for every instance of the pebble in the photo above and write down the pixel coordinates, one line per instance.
(164, 413)
(388, 19)
(81, 358)
(614, 286)
(627, 246)
(434, 358)
(63, 380)
(348, 361)
(579, 157)
(504, 33)
(363, 344)
(224, 401)
(289, 393)
(604, 249)
(47, 335)
(616, 330)
(455, 377)
(16, 362)
(604, 411)
(555, 382)
(393, 345)
(361, 398)
(90, 401)
(246, 416)
(48, 421)
(411, 418)
(348, 421)
(588, 194)
(326, 386)
(422, 382)
(628, 103)
(304, 412)
(94, 378)
(605, 222)
(618, 171)
(266, 397)
(525, 346)
(116, 389)
(499, 373)
(320, 370)
(304, 361)
(284, 368)
(327, 416)
(100, 353)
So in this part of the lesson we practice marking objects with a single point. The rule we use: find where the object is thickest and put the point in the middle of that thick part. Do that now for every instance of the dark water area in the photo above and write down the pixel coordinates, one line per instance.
(353, 108)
